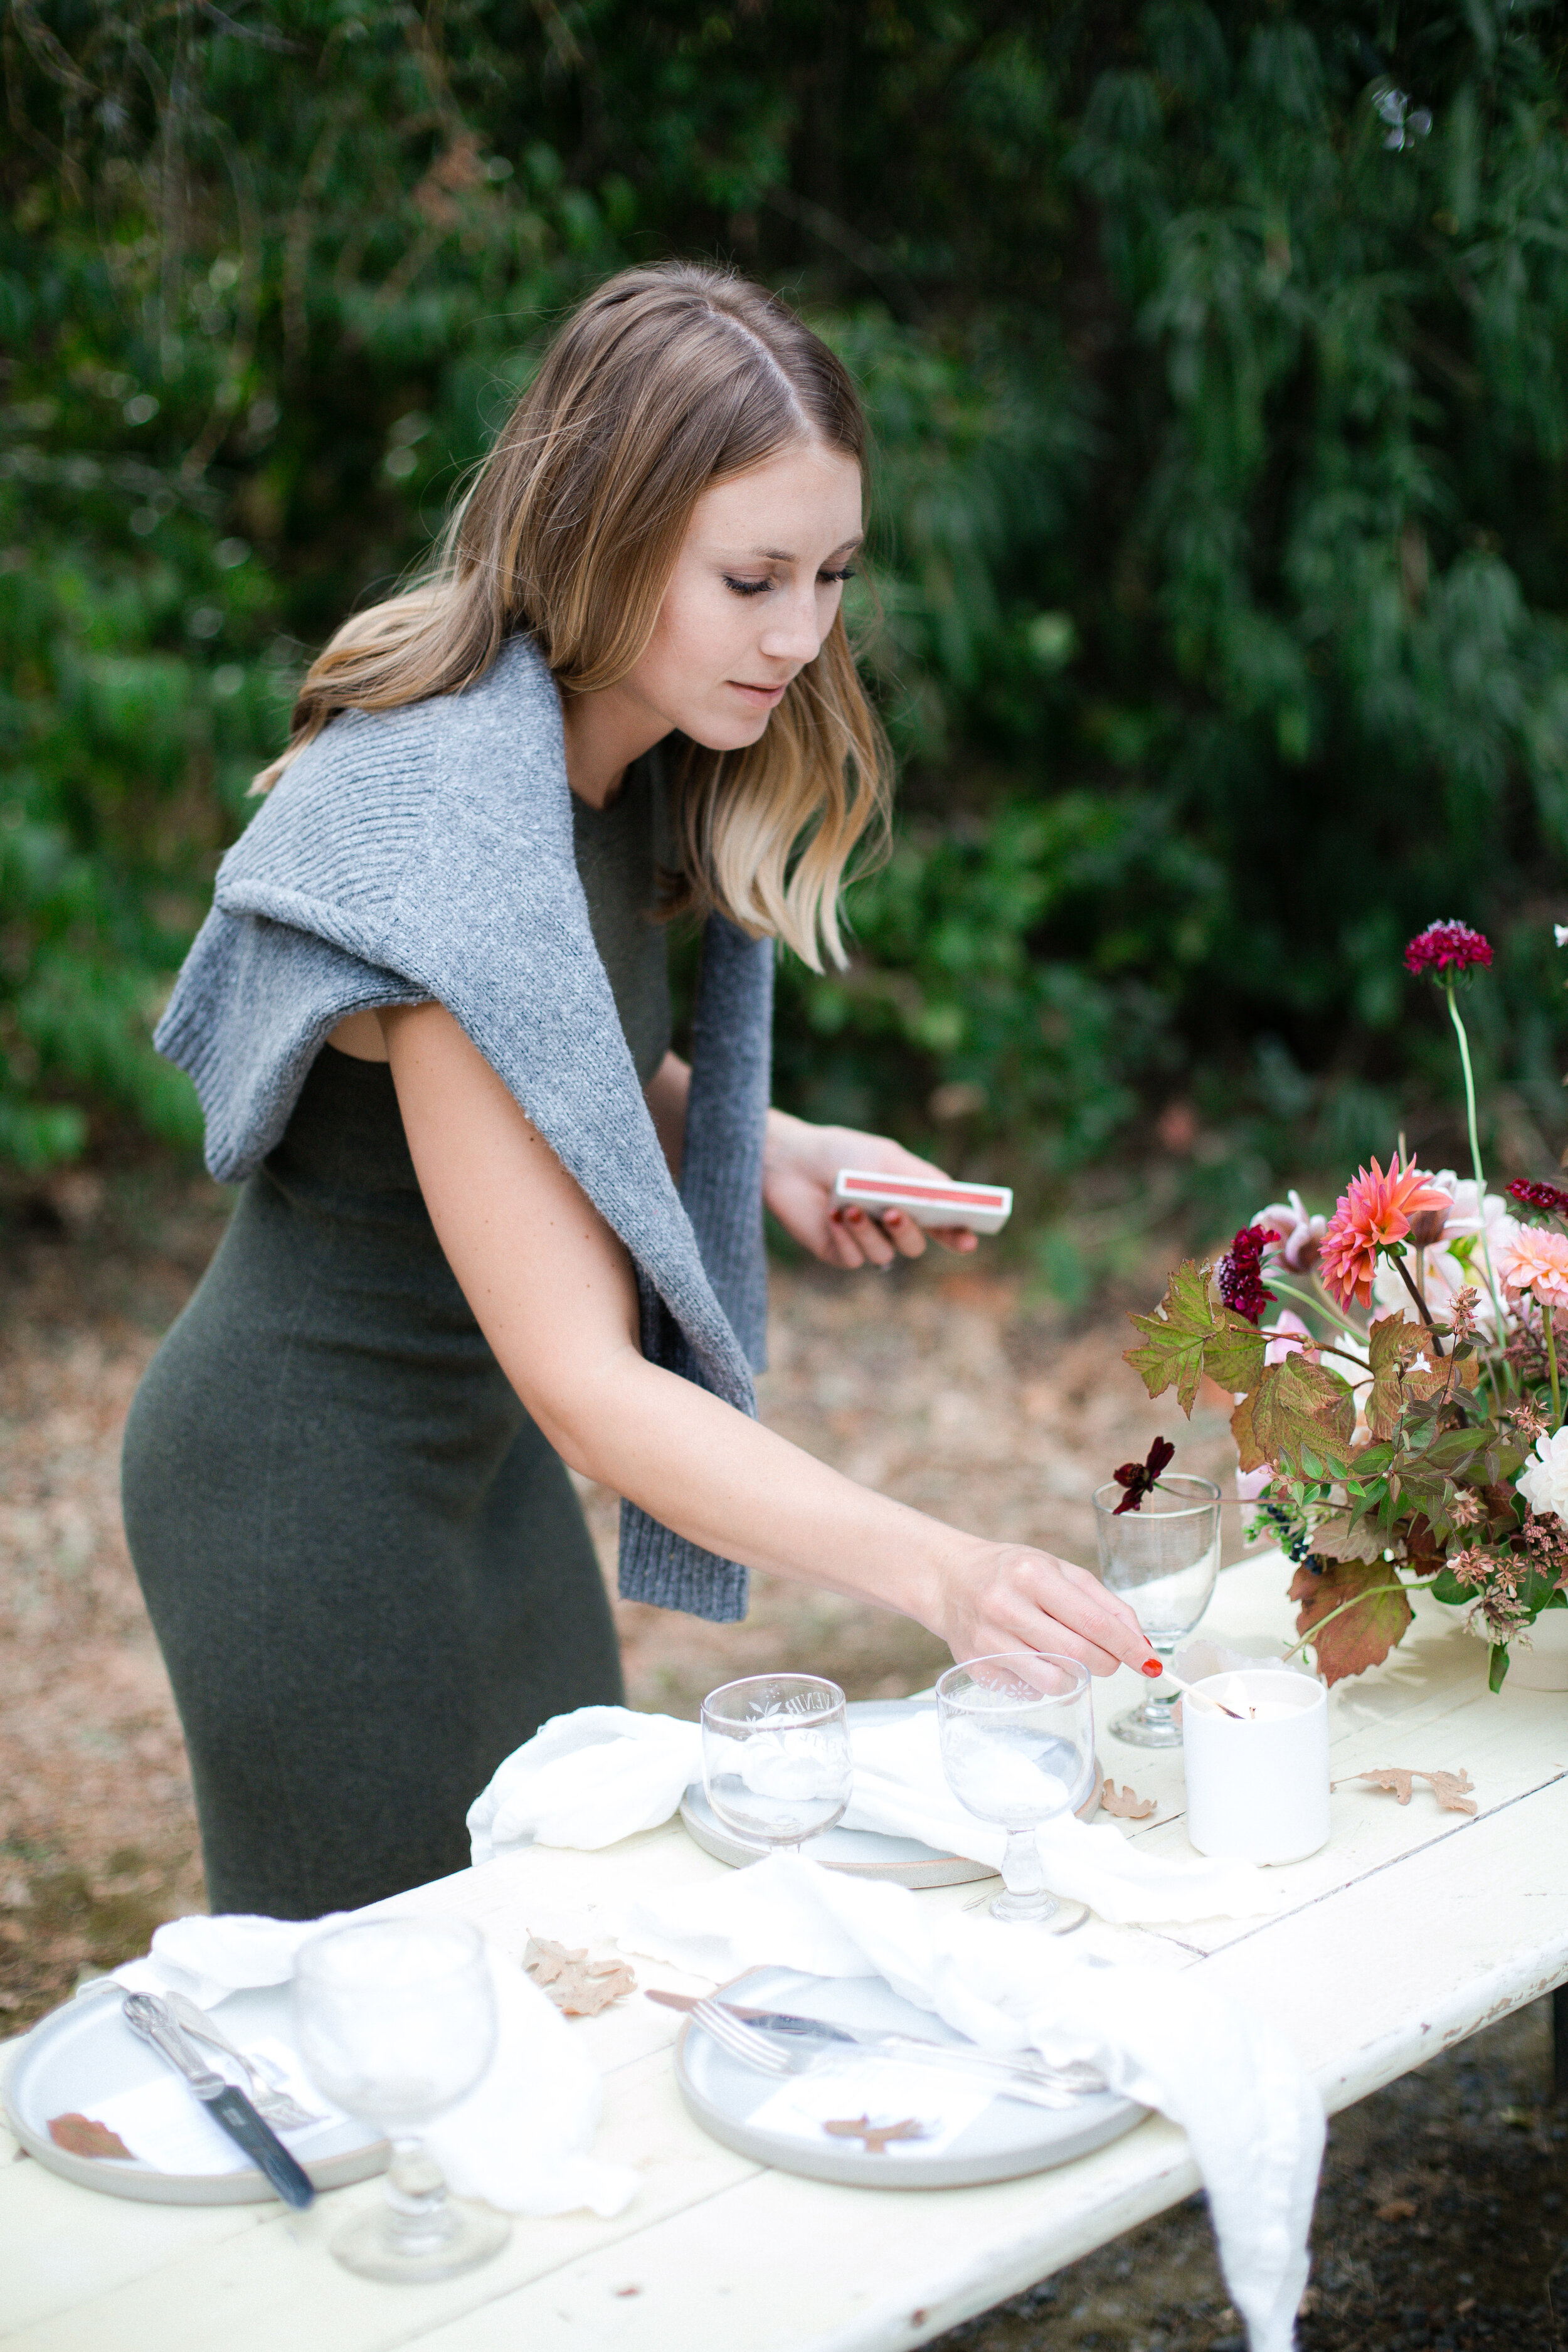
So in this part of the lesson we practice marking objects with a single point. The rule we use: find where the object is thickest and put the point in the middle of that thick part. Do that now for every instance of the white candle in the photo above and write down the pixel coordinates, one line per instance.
(1257, 1789)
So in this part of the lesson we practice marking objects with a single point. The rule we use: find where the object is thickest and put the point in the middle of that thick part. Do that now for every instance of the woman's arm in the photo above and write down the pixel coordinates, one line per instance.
(554, 1293)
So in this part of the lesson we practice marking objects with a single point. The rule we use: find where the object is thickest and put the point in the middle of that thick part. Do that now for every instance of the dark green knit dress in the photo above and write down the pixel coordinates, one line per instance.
(368, 1571)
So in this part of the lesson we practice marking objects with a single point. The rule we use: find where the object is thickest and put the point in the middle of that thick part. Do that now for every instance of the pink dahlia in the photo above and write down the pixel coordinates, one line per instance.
(1536, 1260)
(1444, 947)
(1373, 1210)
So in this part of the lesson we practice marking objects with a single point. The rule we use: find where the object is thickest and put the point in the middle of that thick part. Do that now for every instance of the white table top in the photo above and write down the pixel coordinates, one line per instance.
(1447, 1922)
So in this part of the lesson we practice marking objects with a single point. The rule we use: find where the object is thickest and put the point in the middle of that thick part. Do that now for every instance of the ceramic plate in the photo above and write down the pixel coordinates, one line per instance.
(973, 2136)
(863, 1853)
(85, 2053)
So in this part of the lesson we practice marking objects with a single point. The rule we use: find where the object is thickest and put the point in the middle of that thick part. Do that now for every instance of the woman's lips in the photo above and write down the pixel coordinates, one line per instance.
(761, 698)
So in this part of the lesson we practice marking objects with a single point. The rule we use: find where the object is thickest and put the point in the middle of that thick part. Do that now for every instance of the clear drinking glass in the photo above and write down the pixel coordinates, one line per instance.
(1162, 1558)
(1018, 1747)
(775, 1756)
(395, 2020)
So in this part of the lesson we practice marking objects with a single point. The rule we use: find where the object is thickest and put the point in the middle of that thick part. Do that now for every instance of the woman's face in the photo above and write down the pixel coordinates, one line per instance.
(755, 588)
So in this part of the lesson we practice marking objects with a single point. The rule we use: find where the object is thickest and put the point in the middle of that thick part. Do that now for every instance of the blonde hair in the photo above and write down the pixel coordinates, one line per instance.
(664, 381)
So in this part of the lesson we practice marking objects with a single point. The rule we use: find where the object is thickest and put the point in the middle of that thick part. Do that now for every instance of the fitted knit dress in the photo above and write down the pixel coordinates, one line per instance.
(366, 1567)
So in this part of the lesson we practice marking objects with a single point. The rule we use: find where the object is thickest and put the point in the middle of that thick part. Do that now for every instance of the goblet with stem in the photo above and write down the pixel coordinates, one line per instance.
(1017, 1748)
(395, 2020)
(775, 1756)
(1162, 1558)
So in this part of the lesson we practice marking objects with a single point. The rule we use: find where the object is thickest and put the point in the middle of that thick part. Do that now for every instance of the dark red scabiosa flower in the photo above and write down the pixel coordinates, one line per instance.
(1446, 950)
(1550, 1197)
(1140, 1478)
(1240, 1274)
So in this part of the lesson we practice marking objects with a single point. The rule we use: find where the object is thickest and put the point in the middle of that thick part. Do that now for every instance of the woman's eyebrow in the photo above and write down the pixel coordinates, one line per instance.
(780, 555)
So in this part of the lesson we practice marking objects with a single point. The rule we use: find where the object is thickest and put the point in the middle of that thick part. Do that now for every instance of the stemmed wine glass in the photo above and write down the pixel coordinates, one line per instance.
(395, 2021)
(1162, 1558)
(775, 1756)
(1018, 1747)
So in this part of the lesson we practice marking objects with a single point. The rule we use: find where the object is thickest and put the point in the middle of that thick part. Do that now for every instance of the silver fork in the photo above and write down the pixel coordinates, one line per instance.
(274, 2105)
(743, 2041)
(1017, 2078)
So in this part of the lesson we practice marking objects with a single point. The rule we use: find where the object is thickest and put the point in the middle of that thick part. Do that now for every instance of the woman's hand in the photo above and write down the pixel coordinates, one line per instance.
(1004, 1597)
(799, 1164)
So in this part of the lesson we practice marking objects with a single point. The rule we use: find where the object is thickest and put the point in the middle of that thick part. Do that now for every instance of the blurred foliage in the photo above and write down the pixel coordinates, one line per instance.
(1216, 357)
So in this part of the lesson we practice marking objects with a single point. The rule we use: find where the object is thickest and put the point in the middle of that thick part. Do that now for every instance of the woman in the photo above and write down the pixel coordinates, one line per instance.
(428, 1022)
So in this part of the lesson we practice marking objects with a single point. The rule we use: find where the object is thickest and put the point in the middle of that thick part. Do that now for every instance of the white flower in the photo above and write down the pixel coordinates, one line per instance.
(1447, 1275)
(1562, 932)
(1298, 1233)
(1543, 1481)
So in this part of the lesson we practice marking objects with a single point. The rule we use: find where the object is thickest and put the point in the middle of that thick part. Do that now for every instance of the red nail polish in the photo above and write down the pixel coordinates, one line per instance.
(1153, 1668)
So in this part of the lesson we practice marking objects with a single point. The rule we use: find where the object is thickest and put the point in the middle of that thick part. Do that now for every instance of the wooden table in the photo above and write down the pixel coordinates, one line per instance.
(1411, 1929)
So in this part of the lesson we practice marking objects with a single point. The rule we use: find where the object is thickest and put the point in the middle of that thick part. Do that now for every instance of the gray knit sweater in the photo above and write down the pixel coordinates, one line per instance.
(427, 853)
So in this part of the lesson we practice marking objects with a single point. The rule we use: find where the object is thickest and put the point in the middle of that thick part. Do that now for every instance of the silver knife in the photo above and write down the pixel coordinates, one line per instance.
(1073, 2081)
(155, 2022)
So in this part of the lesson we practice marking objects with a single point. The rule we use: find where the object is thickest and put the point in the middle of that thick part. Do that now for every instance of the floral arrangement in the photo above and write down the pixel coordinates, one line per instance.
(1399, 1423)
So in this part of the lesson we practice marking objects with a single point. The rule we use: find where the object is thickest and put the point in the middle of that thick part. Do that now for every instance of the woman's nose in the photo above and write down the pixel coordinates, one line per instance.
(793, 632)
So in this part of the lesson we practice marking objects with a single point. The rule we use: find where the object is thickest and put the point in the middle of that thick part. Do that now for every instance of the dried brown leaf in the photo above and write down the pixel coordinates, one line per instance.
(579, 1987)
(1124, 1803)
(80, 2135)
(1397, 2208)
(1450, 1789)
(875, 2136)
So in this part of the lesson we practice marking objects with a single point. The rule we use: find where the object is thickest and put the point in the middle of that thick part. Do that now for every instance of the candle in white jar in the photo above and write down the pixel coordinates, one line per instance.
(1257, 1788)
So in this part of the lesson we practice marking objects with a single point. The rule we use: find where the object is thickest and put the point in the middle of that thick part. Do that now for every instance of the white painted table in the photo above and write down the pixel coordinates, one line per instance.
(1412, 1928)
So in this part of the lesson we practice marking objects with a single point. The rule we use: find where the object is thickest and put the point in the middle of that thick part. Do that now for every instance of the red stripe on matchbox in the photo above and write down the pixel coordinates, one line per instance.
(964, 1196)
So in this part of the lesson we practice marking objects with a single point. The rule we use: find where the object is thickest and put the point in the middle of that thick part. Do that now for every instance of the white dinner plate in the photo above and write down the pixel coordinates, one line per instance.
(85, 2053)
(862, 1853)
(999, 2140)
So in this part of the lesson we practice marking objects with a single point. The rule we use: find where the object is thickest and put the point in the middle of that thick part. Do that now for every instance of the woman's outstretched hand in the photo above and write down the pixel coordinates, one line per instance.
(1001, 1597)
(799, 1164)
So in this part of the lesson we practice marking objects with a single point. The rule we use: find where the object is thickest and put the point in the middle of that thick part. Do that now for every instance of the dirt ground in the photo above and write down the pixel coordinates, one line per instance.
(1441, 2211)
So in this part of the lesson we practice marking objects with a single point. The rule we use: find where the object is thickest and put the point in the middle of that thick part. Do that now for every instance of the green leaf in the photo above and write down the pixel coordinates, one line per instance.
(1393, 1347)
(1497, 1673)
(1188, 1335)
(1301, 1407)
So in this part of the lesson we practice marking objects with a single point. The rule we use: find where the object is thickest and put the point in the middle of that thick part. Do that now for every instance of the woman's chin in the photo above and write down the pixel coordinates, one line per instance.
(731, 734)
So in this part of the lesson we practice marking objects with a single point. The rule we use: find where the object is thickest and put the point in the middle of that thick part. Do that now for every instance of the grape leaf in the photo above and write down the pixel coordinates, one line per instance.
(1393, 1347)
(1188, 1335)
(1366, 1632)
(578, 1985)
(1123, 1804)
(80, 2135)
(1249, 1453)
(1303, 1408)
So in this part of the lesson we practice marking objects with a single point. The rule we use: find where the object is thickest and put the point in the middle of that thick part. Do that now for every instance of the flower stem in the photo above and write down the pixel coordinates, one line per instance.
(1305, 1299)
(1552, 1362)
(1455, 1016)
(1404, 1273)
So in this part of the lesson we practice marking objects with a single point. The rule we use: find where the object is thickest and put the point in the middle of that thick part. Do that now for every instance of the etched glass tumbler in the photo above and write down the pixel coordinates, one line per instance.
(1162, 1558)
(395, 2020)
(775, 1756)
(1018, 1747)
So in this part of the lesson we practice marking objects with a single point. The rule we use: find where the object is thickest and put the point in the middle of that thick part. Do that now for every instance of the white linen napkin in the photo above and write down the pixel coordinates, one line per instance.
(603, 1773)
(521, 2139)
(1227, 2078)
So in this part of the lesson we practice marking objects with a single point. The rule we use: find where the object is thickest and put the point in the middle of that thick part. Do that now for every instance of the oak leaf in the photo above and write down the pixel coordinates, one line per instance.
(876, 2136)
(80, 2135)
(1367, 1630)
(1450, 1789)
(579, 1987)
(1124, 1803)
(1188, 1335)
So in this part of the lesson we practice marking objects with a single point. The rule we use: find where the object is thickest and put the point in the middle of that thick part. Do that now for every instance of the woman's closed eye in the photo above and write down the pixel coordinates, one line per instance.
(755, 587)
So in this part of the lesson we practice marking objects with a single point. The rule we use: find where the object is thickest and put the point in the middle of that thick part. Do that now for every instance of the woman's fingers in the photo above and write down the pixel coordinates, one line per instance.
(1025, 1599)
(904, 1233)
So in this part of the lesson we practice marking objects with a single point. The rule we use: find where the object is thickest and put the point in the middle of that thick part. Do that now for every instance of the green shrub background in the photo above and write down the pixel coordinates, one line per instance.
(1217, 363)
